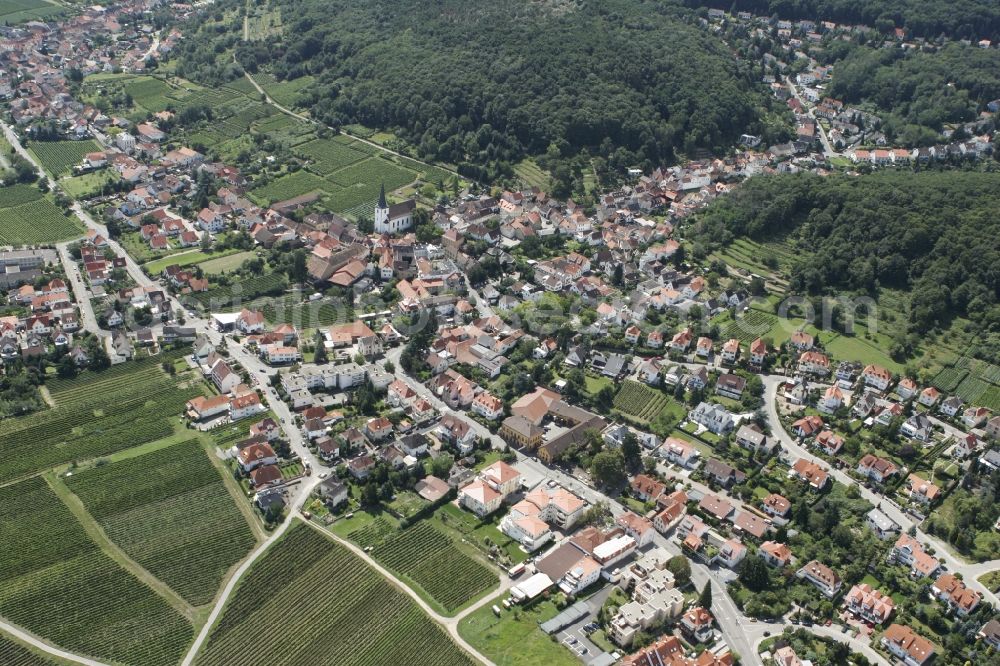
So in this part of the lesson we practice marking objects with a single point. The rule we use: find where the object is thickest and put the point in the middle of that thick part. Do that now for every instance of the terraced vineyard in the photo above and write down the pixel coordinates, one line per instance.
(15, 654)
(170, 512)
(429, 559)
(35, 221)
(56, 583)
(975, 382)
(89, 424)
(59, 157)
(639, 401)
(326, 608)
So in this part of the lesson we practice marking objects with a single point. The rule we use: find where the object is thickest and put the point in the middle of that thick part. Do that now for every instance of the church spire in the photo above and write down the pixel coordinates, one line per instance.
(381, 198)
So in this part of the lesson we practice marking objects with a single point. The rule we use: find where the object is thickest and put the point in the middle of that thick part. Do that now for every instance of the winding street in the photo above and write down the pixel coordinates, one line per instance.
(740, 633)
(969, 572)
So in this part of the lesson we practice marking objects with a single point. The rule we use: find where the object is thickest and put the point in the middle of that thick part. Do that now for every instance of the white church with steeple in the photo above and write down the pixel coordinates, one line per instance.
(395, 218)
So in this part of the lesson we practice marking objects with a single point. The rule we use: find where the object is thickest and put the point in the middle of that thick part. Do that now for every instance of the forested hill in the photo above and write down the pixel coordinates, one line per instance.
(934, 233)
(958, 19)
(915, 91)
(488, 81)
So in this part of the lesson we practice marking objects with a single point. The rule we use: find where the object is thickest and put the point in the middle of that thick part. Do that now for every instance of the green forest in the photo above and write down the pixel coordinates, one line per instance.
(932, 233)
(483, 84)
(958, 19)
(918, 93)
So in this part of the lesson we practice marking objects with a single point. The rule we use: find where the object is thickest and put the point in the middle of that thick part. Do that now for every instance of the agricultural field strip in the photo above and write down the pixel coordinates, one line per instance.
(355, 618)
(76, 432)
(56, 583)
(430, 559)
(170, 512)
(35, 222)
(640, 401)
(58, 157)
(13, 653)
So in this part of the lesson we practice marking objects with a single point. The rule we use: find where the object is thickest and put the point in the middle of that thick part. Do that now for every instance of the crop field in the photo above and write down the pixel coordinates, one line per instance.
(291, 186)
(376, 171)
(170, 512)
(640, 401)
(16, 195)
(327, 608)
(244, 291)
(88, 423)
(59, 157)
(329, 155)
(36, 222)
(13, 653)
(974, 381)
(306, 315)
(90, 184)
(56, 583)
(751, 325)
(431, 560)
(150, 93)
(531, 174)
(125, 377)
(18, 11)
(285, 93)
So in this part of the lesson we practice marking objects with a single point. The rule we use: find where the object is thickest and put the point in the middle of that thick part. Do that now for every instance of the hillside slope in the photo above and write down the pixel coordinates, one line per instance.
(484, 83)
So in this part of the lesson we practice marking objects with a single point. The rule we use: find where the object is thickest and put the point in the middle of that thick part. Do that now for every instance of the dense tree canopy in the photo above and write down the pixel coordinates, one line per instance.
(934, 233)
(923, 18)
(915, 90)
(484, 83)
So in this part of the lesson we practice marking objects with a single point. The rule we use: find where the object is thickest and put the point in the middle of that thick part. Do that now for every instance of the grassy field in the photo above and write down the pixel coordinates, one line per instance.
(34, 220)
(59, 157)
(19, 11)
(326, 608)
(56, 583)
(430, 560)
(170, 512)
(514, 639)
(225, 263)
(285, 93)
(186, 258)
(96, 417)
(89, 184)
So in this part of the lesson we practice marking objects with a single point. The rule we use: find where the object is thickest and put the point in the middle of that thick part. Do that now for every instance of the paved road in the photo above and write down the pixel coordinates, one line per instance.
(87, 317)
(28, 638)
(731, 620)
(890, 508)
(828, 150)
